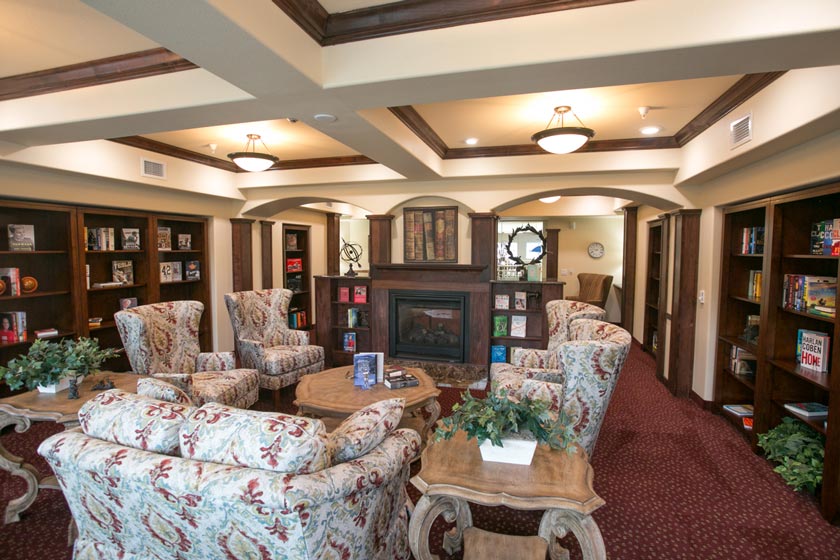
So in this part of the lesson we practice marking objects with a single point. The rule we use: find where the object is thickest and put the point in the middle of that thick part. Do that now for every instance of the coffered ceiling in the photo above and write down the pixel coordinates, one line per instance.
(407, 82)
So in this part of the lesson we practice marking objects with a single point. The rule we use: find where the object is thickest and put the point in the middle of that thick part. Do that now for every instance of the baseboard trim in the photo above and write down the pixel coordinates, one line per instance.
(699, 401)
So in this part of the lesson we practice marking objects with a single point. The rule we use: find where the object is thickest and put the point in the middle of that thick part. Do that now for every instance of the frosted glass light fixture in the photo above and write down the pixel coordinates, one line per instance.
(550, 199)
(557, 138)
(253, 160)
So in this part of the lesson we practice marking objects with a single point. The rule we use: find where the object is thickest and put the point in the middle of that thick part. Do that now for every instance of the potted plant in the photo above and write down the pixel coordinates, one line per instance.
(799, 451)
(83, 357)
(507, 429)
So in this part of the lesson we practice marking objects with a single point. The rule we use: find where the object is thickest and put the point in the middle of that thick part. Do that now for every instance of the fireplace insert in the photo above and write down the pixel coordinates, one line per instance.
(428, 325)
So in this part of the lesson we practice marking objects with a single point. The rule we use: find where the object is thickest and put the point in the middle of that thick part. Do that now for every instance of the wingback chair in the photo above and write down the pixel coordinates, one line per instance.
(264, 341)
(161, 340)
(582, 383)
(594, 289)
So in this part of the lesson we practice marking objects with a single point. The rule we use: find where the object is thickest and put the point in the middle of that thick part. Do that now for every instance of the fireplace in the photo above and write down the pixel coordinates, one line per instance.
(428, 325)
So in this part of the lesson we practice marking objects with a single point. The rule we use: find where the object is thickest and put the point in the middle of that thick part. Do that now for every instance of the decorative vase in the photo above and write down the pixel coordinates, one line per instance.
(515, 451)
(62, 385)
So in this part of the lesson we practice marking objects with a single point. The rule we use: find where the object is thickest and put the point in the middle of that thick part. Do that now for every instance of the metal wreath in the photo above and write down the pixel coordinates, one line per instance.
(519, 230)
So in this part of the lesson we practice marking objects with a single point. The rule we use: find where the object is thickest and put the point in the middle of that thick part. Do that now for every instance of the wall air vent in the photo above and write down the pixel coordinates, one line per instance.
(740, 131)
(154, 169)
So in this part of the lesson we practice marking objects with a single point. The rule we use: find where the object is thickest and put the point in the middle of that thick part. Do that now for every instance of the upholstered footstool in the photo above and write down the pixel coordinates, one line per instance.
(237, 387)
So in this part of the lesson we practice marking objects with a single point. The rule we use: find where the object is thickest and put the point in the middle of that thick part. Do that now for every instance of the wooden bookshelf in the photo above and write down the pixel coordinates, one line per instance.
(332, 317)
(656, 291)
(536, 326)
(297, 274)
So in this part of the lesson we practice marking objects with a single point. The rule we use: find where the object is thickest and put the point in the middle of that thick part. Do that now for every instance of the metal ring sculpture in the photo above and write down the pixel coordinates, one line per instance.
(514, 233)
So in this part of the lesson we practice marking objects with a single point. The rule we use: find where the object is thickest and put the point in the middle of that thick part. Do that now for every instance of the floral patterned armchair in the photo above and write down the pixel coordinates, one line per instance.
(161, 340)
(265, 342)
(582, 383)
(147, 479)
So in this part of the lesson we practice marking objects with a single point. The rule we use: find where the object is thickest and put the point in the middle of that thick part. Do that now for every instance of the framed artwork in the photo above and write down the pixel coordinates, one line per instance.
(430, 234)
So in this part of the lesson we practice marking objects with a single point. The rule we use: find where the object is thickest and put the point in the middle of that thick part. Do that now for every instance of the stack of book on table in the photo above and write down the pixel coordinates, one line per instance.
(398, 378)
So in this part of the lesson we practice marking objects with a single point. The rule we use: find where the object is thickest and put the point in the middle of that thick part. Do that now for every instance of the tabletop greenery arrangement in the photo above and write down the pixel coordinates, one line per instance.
(48, 362)
(799, 451)
(500, 414)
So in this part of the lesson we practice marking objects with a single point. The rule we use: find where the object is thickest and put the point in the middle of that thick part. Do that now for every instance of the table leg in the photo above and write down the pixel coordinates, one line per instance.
(556, 523)
(425, 512)
(16, 467)
(432, 410)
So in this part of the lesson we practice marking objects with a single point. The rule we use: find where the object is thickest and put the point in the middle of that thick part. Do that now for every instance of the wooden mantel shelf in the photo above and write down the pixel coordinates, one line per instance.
(430, 266)
(430, 272)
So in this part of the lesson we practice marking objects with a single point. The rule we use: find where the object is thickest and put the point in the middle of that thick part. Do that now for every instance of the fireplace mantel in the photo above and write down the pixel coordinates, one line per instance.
(428, 272)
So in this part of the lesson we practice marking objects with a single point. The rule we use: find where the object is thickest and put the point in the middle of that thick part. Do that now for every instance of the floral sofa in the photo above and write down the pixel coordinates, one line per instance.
(578, 378)
(149, 479)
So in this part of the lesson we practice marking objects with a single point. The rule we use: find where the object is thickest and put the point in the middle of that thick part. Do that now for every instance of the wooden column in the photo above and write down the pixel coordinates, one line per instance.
(552, 246)
(483, 228)
(684, 304)
(379, 242)
(628, 267)
(333, 243)
(267, 254)
(243, 268)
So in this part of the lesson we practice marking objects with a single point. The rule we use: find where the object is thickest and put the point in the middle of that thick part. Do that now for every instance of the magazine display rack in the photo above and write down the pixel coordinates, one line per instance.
(535, 330)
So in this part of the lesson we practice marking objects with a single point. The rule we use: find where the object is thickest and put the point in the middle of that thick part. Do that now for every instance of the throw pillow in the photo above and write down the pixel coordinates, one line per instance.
(249, 438)
(364, 430)
(162, 391)
(134, 421)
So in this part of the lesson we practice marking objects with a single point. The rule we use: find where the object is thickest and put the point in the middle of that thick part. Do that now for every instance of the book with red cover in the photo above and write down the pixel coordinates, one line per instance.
(359, 294)
(294, 265)
(344, 293)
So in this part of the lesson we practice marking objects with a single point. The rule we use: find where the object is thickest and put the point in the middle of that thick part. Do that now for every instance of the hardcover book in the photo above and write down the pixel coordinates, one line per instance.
(12, 327)
(344, 293)
(164, 242)
(21, 237)
(500, 324)
(518, 324)
(498, 354)
(502, 301)
(359, 294)
(364, 370)
(291, 242)
(128, 302)
(352, 318)
(130, 239)
(520, 300)
(813, 350)
(170, 272)
(739, 409)
(349, 342)
(294, 265)
(185, 241)
(193, 271)
(122, 272)
(11, 278)
(378, 367)
(401, 382)
(808, 409)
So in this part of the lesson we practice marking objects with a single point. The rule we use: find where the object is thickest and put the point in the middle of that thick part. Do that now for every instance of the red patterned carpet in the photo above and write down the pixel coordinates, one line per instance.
(679, 483)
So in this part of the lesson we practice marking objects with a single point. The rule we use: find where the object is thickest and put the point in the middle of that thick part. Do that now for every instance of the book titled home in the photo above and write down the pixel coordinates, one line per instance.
(164, 239)
(520, 300)
(813, 350)
(518, 324)
(344, 293)
(498, 354)
(364, 370)
(130, 239)
(21, 237)
(122, 272)
(808, 409)
(294, 264)
(500, 325)
(349, 342)
(502, 301)
(193, 270)
(185, 241)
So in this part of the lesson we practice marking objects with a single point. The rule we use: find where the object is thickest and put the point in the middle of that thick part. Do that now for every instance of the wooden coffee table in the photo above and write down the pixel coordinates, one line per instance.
(331, 396)
(20, 410)
(453, 474)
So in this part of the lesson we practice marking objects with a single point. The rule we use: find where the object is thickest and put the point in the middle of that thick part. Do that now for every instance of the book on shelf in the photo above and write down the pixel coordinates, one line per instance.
(808, 409)
(46, 333)
(107, 284)
(498, 354)
(11, 278)
(402, 381)
(500, 325)
(294, 264)
(364, 318)
(94, 322)
(752, 240)
(825, 237)
(518, 324)
(816, 295)
(130, 239)
(812, 349)
(747, 422)
(359, 294)
(13, 326)
(185, 241)
(122, 272)
(128, 302)
(349, 342)
(164, 238)
(344, 294)
(170, 272)
(21, 237)
(87, 276)
(750, 333)
(520, 300)
(193, 270)
(364, 370)
(392, 370)
(739, 409)
(291, 242)
(742, 362)
(754, 285)
(294, 283)
(352, 317)
(502, 301)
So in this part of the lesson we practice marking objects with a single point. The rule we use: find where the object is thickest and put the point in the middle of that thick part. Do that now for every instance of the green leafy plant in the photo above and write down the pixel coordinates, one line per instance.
(499, 415)
(799, 451)
(84, 356)
(48, 362)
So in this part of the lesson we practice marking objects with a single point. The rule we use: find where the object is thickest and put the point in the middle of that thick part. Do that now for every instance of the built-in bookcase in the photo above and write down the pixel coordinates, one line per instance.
(779, 379)
(537, 294)
(656, 288)
(297, 274)
(336, 297)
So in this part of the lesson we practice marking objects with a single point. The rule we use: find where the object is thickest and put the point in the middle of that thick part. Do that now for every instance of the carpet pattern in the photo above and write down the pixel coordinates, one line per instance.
(679, 482)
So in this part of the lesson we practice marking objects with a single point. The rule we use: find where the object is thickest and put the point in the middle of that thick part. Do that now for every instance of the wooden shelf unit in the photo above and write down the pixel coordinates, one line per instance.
(332, 317)
(779, 379)
(295, 242)
(536, 333)
(656, 292)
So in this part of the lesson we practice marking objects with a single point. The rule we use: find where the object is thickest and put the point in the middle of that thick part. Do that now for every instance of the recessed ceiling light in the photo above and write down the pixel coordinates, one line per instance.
(471, 141)
(550, 199)
(325, 118)
(650, 129)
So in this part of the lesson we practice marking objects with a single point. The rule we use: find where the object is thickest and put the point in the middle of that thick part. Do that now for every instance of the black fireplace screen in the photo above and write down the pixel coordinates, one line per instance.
(428, 325)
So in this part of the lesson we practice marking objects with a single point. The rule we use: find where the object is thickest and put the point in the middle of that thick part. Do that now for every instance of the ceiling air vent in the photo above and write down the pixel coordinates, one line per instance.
(154, 169)
(740, 131)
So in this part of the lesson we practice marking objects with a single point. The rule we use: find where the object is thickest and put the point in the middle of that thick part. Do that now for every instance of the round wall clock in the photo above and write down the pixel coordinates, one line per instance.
(596, 250)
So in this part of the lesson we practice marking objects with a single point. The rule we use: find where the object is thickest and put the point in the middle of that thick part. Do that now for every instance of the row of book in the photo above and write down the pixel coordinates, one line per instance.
(297, 320)
(357, 318)
(430, 235)
(12, 326)
(518, 324)
(754, 285)
(104, 239)
(813, 410)
(810, 294)
(122, 273)
(752, 240)
(359, 294)
(520, 301)
(812, 350)
(825, 237)
(742, 362)
(176, 271)
(744, 412)
(11, 279)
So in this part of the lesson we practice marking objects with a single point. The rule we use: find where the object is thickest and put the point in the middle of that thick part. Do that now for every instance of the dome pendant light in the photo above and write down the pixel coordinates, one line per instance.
(253, 160)
(562, 139)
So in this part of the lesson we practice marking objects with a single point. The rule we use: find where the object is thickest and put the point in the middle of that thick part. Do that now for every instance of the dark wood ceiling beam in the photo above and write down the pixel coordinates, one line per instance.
(534, 150)
(309, 15)
(118, 68)
(409, 116)
(227, 165)
(741, 91)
